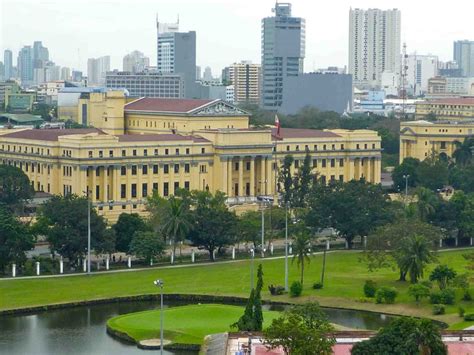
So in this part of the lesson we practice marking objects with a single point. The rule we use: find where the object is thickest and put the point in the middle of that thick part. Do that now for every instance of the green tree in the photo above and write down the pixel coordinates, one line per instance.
(63, 219)
(442, 274)
(15, 239)
(426, 203)
(147, 245)
(463, 153)
(15, 186)
(248, 227)
(462, 177)
(415, 254)
(408, 167)
(404, 336)
(286, 179)
(257, 307)
(303, 330)
(301, 249)
(418, 291)
(302, 182)
(213, 225)
(433, 173)
(246, 322)
(106, 245)
(127, 224)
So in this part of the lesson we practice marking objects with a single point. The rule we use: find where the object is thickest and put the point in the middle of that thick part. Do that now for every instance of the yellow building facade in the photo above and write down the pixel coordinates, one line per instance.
(455, 109)
(197, 144)
(419, 139)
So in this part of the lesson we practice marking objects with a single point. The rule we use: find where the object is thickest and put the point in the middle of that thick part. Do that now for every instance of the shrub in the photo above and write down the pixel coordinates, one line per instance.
(438, 309)
(461, 311)
(386, 295)
(364, 300)
(446, 296)
(418, 292)
(317, 285)
(370, 288)
(296, 289)
(467, 296)
(276, 290)
(469, 317)
(426, 283)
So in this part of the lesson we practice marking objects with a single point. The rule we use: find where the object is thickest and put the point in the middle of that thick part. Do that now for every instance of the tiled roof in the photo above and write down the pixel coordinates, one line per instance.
(158, 138)
(302, 133)
(453, 101)
(165, 105)
(49, 134)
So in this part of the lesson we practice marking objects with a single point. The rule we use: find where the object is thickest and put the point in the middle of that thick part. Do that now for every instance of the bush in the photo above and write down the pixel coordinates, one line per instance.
(317, 285)
(276, 290)
(461, 311)
(370, 288)
(364, 300)
(438, 309)
(426, 283)
(467, 296)
(386, 295)
(446, 296)
(469, 317)
(296, 289)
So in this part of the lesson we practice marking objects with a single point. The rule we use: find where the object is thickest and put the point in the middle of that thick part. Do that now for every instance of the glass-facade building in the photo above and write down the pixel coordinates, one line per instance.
(283, 52)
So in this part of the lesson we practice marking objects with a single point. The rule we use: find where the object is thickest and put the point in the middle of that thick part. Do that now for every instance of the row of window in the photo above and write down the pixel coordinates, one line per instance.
(153, 169)
(325, 147)
(145, 152)
(22, 149)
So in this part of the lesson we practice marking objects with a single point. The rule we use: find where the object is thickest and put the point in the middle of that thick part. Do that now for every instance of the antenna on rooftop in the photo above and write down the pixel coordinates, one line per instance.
(403, 84)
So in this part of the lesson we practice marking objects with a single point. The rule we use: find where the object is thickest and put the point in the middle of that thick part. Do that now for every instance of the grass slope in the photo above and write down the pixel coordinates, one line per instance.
(185, 325)
(344, 280)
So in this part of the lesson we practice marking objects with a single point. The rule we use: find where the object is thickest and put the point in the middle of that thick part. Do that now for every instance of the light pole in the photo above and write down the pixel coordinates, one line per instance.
(406, 177)
(88, 192)
(159, 283)
(252, 255)
(286, 246)
(263, 228)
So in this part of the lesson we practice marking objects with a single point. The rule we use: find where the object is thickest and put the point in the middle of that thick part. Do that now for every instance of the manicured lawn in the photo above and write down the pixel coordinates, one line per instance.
(185, 325)
(344, 280)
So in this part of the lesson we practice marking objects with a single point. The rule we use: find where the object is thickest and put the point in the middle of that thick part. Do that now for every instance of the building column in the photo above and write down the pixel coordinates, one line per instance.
(269, 177)
(224, 162)
(94, 183)
(229, 178)
(262, 175)
(241, 176)
(252, 176)
(128, 188)
(369, 163)
(115, 184)
(150, 179)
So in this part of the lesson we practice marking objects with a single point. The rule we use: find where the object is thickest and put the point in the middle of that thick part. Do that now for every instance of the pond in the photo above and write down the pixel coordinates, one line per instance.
(82, 330)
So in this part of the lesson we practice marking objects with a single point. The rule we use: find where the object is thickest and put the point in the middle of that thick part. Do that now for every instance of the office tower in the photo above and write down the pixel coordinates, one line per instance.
(283, 51)
(65, 73)
(207, 75)
(177, 54)
(463, 54)
(25, 65)
(8, 63)
(420, 68)
(135, 62)
(76, 76)
(96, 70)
(147, 84)
(2, 71)
(374, 45)
(245, 78)
(40, 54)
(198, 73)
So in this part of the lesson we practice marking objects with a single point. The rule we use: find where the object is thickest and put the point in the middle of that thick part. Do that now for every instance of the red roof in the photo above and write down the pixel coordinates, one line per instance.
(454, 101)
(302, 133)
(165, 105)
(158, 138)
(49, 134)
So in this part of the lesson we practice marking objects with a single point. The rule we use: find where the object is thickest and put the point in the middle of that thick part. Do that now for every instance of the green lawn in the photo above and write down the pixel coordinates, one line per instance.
(345, 277)
(185, 325)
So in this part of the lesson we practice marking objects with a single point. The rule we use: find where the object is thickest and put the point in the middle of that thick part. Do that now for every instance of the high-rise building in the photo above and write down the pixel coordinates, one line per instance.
(374, 45)
(207, 75)
(420, 68)
(283, 52)
(135, 62)
(25, 65)
(8, 63)
(198, 73)
(147, 84)
(2, 71)
(65, 73)
(463, 54)
(245, 78)
(177, 54)
(40, 55)
(96, 70)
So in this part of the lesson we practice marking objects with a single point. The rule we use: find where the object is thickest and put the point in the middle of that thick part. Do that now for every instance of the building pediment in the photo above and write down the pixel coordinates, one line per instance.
(218, 108)
(408, 130)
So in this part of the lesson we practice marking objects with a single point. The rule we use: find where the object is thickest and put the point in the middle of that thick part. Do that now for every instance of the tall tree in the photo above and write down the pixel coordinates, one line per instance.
(409, 168)
(127, 224)
(63, 219)
(15, 239)
(147, 245)
(301, 249)
(302, 182)
(433, 173)
(15, 186)
(257, 306)
(426, 203)
(286, 178)
(463, 153)
(415, 254)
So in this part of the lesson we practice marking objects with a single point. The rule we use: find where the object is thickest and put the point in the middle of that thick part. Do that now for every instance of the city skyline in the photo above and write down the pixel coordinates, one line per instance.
(115, 29)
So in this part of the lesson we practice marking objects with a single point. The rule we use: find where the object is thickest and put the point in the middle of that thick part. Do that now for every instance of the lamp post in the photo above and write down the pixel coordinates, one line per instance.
(263, 228)
(286, 246)
(252, 255)
(406, 177)
(89, 202)
(159, 283)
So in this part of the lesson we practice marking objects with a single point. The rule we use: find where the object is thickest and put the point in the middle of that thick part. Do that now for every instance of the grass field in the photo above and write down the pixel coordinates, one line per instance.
(344, 280)
(185, 325)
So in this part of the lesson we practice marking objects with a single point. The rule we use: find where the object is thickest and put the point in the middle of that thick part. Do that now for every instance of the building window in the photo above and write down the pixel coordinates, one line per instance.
(134, 170)
(145, 169)
(156, 152)
(111, 153)
(155, 169)
(297, 148)
(236, 166)
(124, 153)
(324, 147)
(287, 148)
(167, 151)
(203, 150)
(333, 147)
(155, 186)
(186, 185)
(134, 190)
(186, 168)
(166, 191)
(247, 166)
(315, 163)
(97, 172)
(177, 151)
(333, 163)
(123, 170)
(323, 163)
(176, 168)
(176, 186)
(90, 153)
(134, 152)
(101, 154)
(323, 179)
(341, 162)
(443, 145)
(358, 146)
(333, 178)
(145, 152)
(341, 178)
(166, 168)
(365, 146)
(187, 151)
(97, 192)
(297, 164)
(202, 169)
(144, 190)
(373, 146)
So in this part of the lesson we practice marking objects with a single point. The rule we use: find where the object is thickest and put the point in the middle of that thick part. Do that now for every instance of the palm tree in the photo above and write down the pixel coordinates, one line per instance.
(463, 153)
(426, 203)
(176, 221)
(302, 249)
(415, 252)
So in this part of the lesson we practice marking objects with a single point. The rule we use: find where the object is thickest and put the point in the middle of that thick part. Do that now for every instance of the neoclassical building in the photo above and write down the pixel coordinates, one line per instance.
(165, 144)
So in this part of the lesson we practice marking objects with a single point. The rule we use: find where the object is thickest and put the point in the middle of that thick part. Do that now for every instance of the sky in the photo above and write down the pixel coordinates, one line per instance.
(228, 31)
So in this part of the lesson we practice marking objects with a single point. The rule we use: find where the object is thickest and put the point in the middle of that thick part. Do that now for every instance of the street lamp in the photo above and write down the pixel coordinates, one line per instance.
(88, 193)
(159, 283)
(406, 177)
(286, 246)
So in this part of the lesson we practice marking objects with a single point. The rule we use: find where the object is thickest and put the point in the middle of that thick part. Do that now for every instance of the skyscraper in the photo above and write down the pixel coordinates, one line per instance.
(25, 65)
(207, 76)
(283, 52)
(96, 70)
(135, 62)
(177, 54)
(463, 54)
(8, 62)
(40, 55)
(245, 79)
(374, 45)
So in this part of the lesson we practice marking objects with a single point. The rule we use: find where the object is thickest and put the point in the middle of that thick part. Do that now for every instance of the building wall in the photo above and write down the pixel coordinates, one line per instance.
(419, 139)
(448, 109)
(463, 54)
